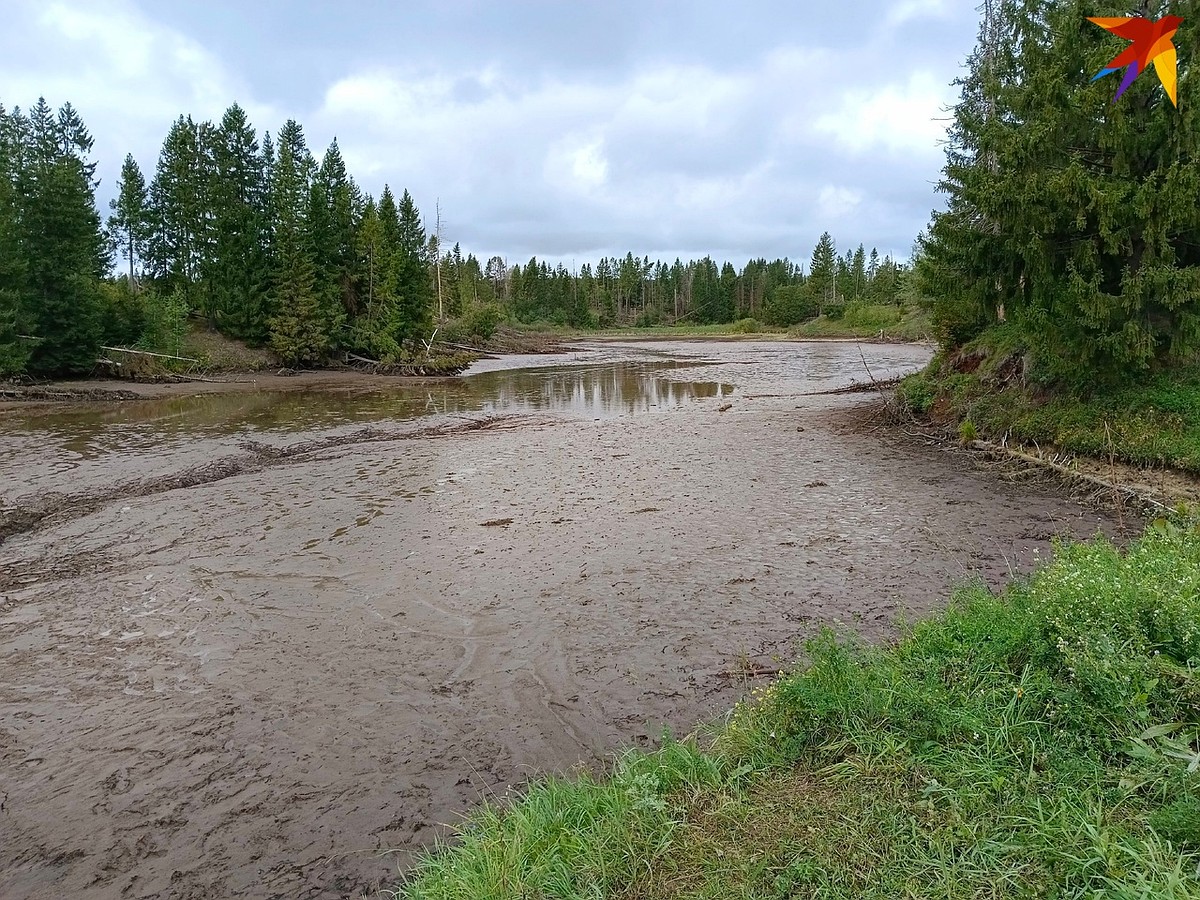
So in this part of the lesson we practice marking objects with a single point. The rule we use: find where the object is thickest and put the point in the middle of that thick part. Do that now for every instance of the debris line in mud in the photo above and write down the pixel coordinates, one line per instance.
(30, 514)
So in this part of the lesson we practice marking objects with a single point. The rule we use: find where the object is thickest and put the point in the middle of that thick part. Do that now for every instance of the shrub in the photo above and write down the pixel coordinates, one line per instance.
(746, 326)
(916, 393)
(876, 317)
(478, 323)
(165, 318)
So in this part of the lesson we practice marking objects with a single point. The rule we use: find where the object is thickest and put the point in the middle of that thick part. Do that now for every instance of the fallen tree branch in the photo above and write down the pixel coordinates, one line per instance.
(462, 347)
(148, 353)
(1067, 472)
(857, 387)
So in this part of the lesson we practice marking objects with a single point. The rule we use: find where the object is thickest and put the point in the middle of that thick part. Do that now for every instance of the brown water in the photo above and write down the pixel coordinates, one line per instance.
(253, 641)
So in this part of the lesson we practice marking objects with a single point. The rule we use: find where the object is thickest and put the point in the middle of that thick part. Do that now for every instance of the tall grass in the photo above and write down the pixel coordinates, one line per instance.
(1043, 742)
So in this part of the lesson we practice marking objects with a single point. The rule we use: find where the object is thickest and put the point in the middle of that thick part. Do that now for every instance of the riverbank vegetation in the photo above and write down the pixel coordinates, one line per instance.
(261, 241)
(1149, 421)
(1063, 277)
(1043, 741)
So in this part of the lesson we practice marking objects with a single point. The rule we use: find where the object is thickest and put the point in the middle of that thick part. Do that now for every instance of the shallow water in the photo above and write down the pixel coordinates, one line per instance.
(233, 672)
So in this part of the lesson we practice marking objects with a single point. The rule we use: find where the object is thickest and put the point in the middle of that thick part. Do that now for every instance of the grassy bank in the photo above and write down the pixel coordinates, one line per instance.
(883, 322)
(1155, 422)
(740, 328)
(1039, 743)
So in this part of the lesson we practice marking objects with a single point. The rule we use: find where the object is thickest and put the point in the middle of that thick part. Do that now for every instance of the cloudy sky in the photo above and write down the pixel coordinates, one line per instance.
(566, 129)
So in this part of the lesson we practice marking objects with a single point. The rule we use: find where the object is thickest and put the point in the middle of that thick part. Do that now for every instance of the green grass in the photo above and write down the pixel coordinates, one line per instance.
(727, 329)
(870, 321)
(223, 354)
(1042, 742)
(859, 321)
(1154, 422)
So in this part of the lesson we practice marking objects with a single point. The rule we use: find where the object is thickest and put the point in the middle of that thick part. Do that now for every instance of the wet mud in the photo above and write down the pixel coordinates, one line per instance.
(269, 644)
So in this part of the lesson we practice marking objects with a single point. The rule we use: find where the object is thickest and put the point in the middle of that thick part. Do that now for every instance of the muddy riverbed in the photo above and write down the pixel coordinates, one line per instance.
(267, 643)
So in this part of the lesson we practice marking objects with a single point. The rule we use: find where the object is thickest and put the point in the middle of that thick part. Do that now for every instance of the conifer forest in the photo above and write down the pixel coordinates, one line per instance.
(266, 243)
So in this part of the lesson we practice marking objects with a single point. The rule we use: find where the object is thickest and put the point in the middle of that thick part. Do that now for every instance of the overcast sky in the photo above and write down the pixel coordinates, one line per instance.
(568, 129)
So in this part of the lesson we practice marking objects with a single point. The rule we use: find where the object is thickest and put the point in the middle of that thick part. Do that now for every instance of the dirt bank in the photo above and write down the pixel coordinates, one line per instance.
(258, 684)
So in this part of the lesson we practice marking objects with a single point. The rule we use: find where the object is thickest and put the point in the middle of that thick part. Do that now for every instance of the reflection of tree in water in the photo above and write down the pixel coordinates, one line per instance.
(596, 391)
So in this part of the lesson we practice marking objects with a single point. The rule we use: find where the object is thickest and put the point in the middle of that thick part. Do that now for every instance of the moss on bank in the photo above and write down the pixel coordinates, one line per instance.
(1155, 422)
(1039, 743)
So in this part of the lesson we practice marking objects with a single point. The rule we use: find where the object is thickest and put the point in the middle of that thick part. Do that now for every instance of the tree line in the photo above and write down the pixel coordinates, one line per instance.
(268, 244)
(1072, 220)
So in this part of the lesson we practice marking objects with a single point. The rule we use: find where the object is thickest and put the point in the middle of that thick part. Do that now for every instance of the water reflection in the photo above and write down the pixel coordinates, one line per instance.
(90, 431)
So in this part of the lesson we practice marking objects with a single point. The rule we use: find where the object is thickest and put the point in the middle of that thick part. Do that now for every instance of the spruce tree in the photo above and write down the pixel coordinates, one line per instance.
(822, 273)
(858, 273)
(727, 305)
(1068, 214)
(414, 286)
(129, 223)
(236, 274)
(375, 259)
(179, 209)
(65, 251)
(332, 232)
(16, 325)
(298, 331)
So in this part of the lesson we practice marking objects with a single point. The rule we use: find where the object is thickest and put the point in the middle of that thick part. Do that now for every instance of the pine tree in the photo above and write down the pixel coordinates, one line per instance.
(129, 224)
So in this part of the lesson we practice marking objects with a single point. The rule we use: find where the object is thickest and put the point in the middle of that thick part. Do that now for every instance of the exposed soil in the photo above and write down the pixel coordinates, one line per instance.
(113, 390)
(249, 659)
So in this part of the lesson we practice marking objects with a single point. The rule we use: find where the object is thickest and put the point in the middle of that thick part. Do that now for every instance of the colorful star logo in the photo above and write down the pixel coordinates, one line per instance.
(1151, 44)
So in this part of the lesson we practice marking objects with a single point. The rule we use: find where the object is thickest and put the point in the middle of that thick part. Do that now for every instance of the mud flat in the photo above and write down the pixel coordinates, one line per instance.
(266, 646)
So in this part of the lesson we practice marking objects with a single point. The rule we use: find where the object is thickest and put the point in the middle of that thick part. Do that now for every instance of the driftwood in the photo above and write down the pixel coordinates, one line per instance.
(148, 353)
(857, 387)
(466, 347)
(1067, 472)
(433, 367)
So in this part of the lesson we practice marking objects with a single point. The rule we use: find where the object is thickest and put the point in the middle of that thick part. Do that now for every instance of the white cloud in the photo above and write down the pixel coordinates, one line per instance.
(838, 202)
(908, 118)
(129, 76)
(907, 10)
(576, 164)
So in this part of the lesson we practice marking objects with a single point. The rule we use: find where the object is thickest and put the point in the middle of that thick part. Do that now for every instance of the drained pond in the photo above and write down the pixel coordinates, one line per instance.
(268, 641)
